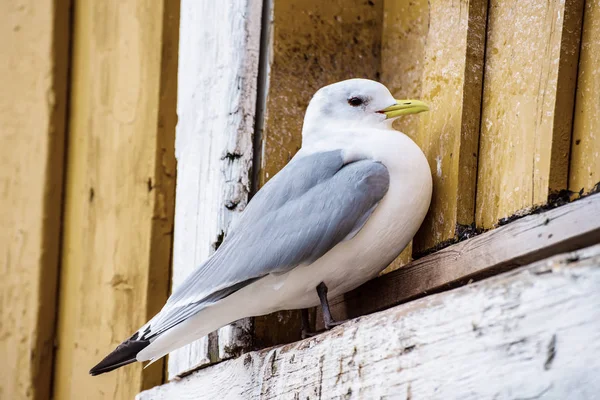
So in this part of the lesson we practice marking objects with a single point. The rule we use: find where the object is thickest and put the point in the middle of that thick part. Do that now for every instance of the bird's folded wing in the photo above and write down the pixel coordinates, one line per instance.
(314, 203)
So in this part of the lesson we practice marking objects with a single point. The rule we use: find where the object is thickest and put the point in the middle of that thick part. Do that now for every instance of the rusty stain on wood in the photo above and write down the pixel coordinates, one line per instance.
(530, 73)
(117, 242)
(584, 172)
(33, 72)
(449, 132)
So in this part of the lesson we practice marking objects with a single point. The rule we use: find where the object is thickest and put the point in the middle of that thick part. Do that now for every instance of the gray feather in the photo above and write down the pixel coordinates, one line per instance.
(314, 203)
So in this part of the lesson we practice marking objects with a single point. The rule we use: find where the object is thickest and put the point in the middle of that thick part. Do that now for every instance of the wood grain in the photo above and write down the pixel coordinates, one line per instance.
(120, 181)
(584, 171)
(218, 67)
(33, 76)
(311, 44)
(521, 242)
(530, 74)
(540, 321)
(449, 133)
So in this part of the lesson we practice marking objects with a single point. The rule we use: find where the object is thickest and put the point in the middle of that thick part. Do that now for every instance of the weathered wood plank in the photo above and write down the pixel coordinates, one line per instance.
(530, 74)
(120, 190)
(218, 67)
(404, 34)
(311, 43)
(449, 133)
(584, 172)
(529, 239)
(33, 76)
(540, 320)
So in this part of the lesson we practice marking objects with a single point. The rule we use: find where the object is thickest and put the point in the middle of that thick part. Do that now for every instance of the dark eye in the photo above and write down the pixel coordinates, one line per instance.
(355, 101)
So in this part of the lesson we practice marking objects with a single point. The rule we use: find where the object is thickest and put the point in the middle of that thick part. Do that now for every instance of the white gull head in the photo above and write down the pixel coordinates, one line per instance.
(355, 103)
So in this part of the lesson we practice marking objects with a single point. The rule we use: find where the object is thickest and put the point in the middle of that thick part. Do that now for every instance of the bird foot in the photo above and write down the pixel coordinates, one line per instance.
(305, 334)
(332, 324)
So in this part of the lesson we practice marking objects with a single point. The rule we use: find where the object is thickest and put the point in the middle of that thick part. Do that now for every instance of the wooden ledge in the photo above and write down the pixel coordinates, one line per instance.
(540, 320)
(531, 238)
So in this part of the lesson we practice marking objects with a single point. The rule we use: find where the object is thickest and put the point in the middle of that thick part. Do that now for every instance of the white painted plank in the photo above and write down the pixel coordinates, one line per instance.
(218, 67)
(529, 333)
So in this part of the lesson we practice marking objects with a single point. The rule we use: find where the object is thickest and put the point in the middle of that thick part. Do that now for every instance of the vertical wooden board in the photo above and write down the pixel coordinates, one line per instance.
(404, 34)
(311, 44)
(218, 68)
(449, 132)
(119, 190)
(33, 76)
(584, 172)
(530, 73)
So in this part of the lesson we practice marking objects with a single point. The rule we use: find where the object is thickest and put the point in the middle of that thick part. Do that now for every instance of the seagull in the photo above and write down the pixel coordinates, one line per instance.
(334, 217)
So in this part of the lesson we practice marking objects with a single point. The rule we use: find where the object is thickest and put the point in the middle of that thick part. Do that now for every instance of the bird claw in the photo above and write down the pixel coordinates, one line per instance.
(305, 334)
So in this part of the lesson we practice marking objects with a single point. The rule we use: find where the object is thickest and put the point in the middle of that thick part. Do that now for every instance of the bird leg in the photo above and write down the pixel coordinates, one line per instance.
(306, 333)
(328, 320)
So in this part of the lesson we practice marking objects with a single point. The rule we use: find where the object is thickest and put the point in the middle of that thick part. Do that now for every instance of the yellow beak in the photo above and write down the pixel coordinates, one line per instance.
(404, 107)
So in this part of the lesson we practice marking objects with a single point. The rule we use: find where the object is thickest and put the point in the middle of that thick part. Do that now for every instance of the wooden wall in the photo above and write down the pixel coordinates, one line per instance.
(527, 108)
(514, 119)
(118, 218)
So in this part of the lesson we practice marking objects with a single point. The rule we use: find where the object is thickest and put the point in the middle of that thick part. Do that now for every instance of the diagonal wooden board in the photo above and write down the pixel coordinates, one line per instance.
(529, 333)
(529, 239)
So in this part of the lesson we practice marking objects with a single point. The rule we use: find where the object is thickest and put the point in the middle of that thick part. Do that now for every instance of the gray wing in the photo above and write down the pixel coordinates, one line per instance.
(311, 205)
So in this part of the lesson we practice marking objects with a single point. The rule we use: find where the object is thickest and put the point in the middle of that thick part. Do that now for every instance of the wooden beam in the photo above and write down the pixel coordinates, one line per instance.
(311, 43)
(120, 190)
(449, 134)
(540, 321)
(216, 108)
(530, 74)
(33, 76)
(584, 172)
(521, 242)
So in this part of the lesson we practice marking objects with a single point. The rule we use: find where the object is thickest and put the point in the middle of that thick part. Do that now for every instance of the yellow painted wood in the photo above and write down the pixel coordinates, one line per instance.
(33, 78)
(584, 173)
(530, 73)
(404, 33)
(449, 132)
(119, 190)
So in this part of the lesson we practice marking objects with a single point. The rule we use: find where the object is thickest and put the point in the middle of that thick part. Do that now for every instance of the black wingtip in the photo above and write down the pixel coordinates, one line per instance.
(124, 354)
